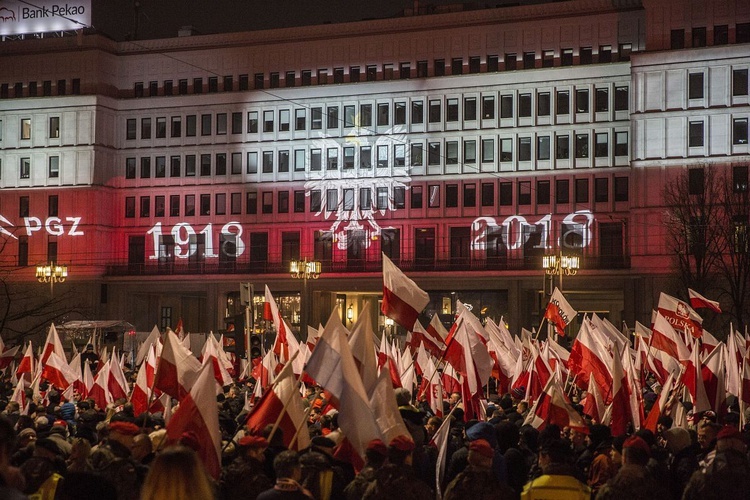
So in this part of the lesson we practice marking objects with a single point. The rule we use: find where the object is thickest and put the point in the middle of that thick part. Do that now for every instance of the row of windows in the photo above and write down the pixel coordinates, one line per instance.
(699, 36)
(24, 167)
(33, 89)
(25, 128)
(451, 152)
(440, 67)
(696, 132)
(450, 110)
(697, 90)
(378, 198)
(24, 206)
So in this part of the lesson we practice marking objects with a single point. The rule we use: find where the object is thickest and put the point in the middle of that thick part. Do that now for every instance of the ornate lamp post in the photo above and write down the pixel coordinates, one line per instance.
(51, 273)
(304, 270)
(559, 265)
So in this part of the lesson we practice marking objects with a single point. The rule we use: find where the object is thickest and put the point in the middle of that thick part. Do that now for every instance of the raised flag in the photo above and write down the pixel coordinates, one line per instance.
(141, 392)
(698, 301)
(52, 344)
(7, 356)
(593, 406)
(199, 414)
(552, 407)
(680, 315)
(589, 357)
(27, 364)
(385, 408)
(152, 338)
(117, 383)
(177, 369)
(403, 300)
(57, 371)
(559, 312)
(99, 391)
(661, 403)
(362, 343)
(620, 412)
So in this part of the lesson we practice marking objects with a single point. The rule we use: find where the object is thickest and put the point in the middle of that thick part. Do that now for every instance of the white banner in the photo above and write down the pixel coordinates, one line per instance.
(41, 16)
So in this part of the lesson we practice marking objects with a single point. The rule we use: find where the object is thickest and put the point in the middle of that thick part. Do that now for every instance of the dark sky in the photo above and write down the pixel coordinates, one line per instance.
(163, 18)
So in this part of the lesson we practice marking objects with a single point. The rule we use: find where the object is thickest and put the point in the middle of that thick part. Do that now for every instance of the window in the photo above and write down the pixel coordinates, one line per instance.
(543, 104)
(488, 194)
(174, 205)
(699, 37)
(488, 150)
(174, 166)
(176, 126)
(543, 147)
(582, 101)
(268, 121)
(524, 193)
(601, 190)
(470, 195)
(54, 163)
(524, 105)
(493, 63)
(306, 77)
(206, 124)
(621, 189)
(602, 145)
(399, 113)
(267, 159)
(54, 127)
(284, 160)
(129, 207)
(582, 190)
(236, 203)
(365, 199)
(439, 67)
(739, 82)
(582, 145)
(316, 159)
(228, 83)
(191, 125)
(332, 199)
(205, 165)
(316, 120)
(52, 205)
(161, 127)
(605, 53)
(283, 202)
(332, 162)
(433, 200)
(506, 106)
(742, 33)
(252, 122)
(416, 197)
(417, 112)
(197, 85)
(433, 153)
(677, 39)
(695, 137)
(267, 202)
(434, 111)
(190, 165)
(506, 194)
(506, 150)
(348, 199)
(383, 114)
(470, 151)
(333, 117)
(562, 147)
(145, 206)
(399, 155)
(451, 152)
(621, 143)
(299, 160)
(548, 58)
(382, 152)
(563, 102)
(252, 162)
(161, 167)
(562, 191)
(417, 155)
(488, 107)
(182, 86)
(145, 168)
(511, 62)
(457, 66)
(695, 86)
(566, 57)
(602, 100)
(26, 128)
(585, 56)
(213, 84)
(542, 192)
(348, 157)
(399, 197)
(739, 131)
(251, 203)
(451, 110)
(529, 59)
(524, 148)
(236, 167)
(145, 128)
(470, 108)
(740, 178)
(625, 49)
(299, 202)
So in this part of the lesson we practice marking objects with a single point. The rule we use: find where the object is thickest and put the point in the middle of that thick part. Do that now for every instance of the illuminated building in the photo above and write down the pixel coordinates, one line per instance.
(465, 145)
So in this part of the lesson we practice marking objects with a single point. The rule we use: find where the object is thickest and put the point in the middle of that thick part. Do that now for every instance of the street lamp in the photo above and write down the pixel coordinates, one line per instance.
(51, 273)
(350, 313)
(304, 270)
(560, 265)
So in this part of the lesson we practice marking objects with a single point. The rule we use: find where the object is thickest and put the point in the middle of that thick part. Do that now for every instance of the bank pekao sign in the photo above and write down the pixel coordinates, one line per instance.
(41, 16)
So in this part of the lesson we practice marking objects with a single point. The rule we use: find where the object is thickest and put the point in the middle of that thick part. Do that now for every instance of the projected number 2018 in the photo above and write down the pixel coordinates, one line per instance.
(183, 242)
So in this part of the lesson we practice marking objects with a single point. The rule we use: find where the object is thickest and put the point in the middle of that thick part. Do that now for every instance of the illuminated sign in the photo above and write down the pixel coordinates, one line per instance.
(515, 232)
(41, 16)
(54, 226)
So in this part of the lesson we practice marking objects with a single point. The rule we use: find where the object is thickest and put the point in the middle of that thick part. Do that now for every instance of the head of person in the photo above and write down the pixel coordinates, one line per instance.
(432, 425)
(707, 432)
(729, 438)
(554, 451)
(615, 451)
(286, 465)
(635, 451)
(123, 433)
(254, 447)
(481, 454)
(664, 423)
(142, 446)
(677, 439)
(400, 450)
(176, 473)
(376, 453)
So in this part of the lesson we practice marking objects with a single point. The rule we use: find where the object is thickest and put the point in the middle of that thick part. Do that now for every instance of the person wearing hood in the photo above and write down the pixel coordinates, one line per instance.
(683, 459)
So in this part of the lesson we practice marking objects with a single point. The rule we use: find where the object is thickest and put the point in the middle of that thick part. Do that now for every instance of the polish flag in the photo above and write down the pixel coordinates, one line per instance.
(385, 408)
(593, 406)
(589, 357)
(708, 343)
(440, 441)
(693, 380)
(403, 300)
(744, 396)
(736, 352)
(57, 371)
(432, 387)
(211, 355)
(671, 350)
(52, 344)
(284, 397)
(27, 363)
(386, 362)
(284, 334)
(100, 391)
(553, 407)
(502, 357)
(75, 366)
(19, 396)
(177, 369)
(7, 356)
(152, 339)
(420, 336)
(333, 368)
(362, 343)
(559, 312)
(199, 415)
(117, 384)
(179, 330)
(87, 381)
(620, 411)
(435, 336)
(680, 315)
(468, 354)
(661, 403)
(714, 372)
(698, 301)
(141, 392)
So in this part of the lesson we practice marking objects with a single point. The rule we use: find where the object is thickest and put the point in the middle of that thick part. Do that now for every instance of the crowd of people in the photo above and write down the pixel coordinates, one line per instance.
(72, 449)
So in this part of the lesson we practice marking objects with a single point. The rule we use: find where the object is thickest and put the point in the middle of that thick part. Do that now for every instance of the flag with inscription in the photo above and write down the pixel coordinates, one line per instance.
(559, 312)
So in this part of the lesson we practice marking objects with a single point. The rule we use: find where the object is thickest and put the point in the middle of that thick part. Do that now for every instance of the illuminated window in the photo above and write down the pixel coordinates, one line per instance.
(252, 162)
(25, 128)
(54, 127)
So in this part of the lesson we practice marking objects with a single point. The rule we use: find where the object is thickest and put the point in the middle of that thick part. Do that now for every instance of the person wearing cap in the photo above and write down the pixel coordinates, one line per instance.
(44, 470)
(245, 476)
(113, 459)
(397, 476)
(558, 479)
(376, 455)
(477, 480)
(728, 475)
(633, 481)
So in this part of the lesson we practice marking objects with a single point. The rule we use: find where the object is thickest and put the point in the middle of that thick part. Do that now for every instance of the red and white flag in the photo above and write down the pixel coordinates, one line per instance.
(619, 410)
(283, 396)
(7, 356)
(211, 354)
(385, 408)
(698, 301)
(661, 403)
(362, 343)
(87, 380)
(559, 312)
(713, 372)
(100, 390)
(403, 300)
(680, 315)
(52, 344)
(553, 407)
(118, 383)
(141, 392)
(57, 371)
(693, 380)
(198, 414)
(177, 369)
(589, 357)
(333, 368)
(593, 406)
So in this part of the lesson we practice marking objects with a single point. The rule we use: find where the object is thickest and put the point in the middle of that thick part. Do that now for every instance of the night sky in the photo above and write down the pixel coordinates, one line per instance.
(163, 18)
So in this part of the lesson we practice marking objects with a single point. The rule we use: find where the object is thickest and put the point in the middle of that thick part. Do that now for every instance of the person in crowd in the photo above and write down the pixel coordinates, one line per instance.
(683, 460)
(397, 475)
(559, 474)
(177, 474)
(707, 432)
(113, 459)
(376, 455)
(288, 475)
(728, 475)
(478, 480)
(245, 477)
(633, 480)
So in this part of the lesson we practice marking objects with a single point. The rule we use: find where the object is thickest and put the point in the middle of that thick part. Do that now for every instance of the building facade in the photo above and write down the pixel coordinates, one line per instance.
(465, 146)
